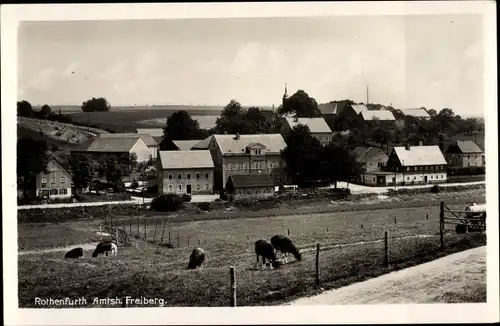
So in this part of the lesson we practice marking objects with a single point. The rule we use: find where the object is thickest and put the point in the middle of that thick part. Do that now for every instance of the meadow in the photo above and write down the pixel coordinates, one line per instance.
(351, 251)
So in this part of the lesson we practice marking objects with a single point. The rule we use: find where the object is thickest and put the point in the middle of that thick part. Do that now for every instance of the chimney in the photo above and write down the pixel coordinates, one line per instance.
(237, 136)
(407, 147)
(420, 143)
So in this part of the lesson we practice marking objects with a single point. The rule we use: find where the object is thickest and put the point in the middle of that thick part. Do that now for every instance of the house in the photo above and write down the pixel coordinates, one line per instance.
(408, 165)
(235, 154)
(250, 186)
(56, 183)
(464, 153)
(185, 172)
(377, 116)
(318, 127)
(98, 148)
(146, 138)
(370, 158)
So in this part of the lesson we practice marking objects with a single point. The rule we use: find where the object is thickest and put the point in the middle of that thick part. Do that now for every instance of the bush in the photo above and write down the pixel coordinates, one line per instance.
(134, 184)
(167, 203)
(435, 189)
(204, 206)
(223, 195)
(186, 198)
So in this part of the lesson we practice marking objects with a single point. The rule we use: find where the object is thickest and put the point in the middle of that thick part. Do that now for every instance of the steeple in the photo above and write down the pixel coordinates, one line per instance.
(285, 95)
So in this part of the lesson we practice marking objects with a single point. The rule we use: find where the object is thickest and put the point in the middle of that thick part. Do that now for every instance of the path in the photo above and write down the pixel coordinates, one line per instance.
(455, 276)
(360, 189)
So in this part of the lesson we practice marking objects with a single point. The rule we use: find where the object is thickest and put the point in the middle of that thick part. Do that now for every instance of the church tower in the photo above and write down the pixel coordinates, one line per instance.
(285, 96)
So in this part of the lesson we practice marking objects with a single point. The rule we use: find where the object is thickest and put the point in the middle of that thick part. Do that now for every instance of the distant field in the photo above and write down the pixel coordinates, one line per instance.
(129, 120)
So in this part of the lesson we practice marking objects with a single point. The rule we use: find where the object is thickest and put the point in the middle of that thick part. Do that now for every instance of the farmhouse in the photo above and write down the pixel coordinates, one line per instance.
(99, 148)
(56, 183)
(414, 165)
(318, 127)
(185, 172)
(464, 153)
(248, 186)
(370, 158)
(246, 155)
(146, 138)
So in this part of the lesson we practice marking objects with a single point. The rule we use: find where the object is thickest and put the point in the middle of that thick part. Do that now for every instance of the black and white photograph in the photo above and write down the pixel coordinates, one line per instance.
(336, 160)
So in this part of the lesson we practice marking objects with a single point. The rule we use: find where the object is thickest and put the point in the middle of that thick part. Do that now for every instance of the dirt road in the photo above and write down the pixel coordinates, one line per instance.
(459, 277)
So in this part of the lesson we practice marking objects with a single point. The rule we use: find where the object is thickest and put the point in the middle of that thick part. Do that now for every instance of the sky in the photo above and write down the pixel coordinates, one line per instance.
(407, 61)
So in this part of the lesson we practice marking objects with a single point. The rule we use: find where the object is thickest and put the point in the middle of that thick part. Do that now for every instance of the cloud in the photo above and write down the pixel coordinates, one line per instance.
(246, 58)
(43, 81)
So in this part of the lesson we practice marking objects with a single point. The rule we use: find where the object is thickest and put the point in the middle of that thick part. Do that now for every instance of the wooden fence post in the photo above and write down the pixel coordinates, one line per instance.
(100, 230)
(178, 241)
(441, 224)
(317, 264)
(188, 240)
(145, 227)
(163, 233)
(395, 222)
(288, 231)
(386, 249)
(169, 240)
(116, 232)
(130, 225)
(138, 234)
(233, 286)
(156, 225)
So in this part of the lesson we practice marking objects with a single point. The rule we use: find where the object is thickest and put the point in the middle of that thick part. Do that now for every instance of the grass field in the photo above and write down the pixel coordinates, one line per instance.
(351, 239)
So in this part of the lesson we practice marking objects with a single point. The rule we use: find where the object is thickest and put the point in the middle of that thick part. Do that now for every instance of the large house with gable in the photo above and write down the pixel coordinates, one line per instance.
(56, 183)
(97, 149)
(464, 153)
(235, 154)
(145, 137)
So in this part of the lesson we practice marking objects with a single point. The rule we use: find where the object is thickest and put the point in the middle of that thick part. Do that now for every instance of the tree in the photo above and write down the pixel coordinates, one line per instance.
(113, 170)
(382, 136)
(303, 156)
(432, 112)
(301, 104)
(96, 105)
(45, 111)
(180, 126)
(24, 109)
(32, 158)
(80, 169)
(338, 164)
(235, 119)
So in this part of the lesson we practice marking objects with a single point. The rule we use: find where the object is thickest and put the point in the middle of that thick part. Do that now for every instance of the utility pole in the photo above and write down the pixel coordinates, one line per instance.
(367, 95)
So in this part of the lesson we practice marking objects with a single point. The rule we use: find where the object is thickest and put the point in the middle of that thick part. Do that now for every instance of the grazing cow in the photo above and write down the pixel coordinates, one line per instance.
(105, 248)
(74, 253)
(196, 259)
(285, 245)
(265, 249)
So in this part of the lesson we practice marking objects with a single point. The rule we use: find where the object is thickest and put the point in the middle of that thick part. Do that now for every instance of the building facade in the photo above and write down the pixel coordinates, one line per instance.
(417, 165)
(145, 137)
(252, 187)
(185, 172)
(464, 154)
(56, 183)
(246, 155)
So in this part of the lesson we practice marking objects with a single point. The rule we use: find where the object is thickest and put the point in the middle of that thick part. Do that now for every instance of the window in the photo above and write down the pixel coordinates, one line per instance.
(63, 179)
(197, 187)
(53, 180)
(206, 175)
(179, 176)
(197, 175)
(270, 165)
(44, 183)
(188, 176)
(53, 191)
(414, 178)
(179, 187)
(432, 177)
(407, 169)
(170, 188)
(407, 178)
(170, 176)
(229, 166)
(207, 186)
(414, 168)
(44, 180)
(432, 167)
(63, 191)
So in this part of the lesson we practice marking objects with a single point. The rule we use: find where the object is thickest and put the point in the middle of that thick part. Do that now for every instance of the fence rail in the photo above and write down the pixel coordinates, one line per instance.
(464, 221)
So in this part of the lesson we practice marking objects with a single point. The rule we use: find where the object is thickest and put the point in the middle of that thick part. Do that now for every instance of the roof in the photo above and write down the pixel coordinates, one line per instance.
(382, 115)
(365, 154)
(418, 113)
(155, 132)
(420, 155)
(251, 181)
(468, 147)
(229, 145)
(185, 145)
(328, 108)
(113, 145)
(146, 138)
(316, 125)
(186, 159)
(359, 108)
(158, 139)
(203, 144)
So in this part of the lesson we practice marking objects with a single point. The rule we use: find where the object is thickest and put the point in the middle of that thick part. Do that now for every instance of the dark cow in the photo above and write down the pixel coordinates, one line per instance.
(196, 259)
(74, 253)
(285, 245)
(105, 248)
(265, 249)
